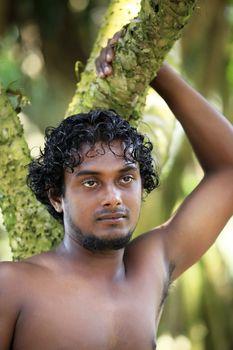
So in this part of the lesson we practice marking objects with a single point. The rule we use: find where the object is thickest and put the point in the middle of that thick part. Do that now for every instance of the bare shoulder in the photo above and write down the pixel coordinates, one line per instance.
(19, 279)
(15, 281)
(12, 273)
(11, 291)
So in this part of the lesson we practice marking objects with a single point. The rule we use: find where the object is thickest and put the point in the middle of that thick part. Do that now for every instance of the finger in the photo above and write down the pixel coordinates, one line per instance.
(109, 54)
(105, 59)
(99, 69)
(97, 65)
(105, 66)
(99, 62)
(111, 45)
(106, 56)
(103, 69)
(115, 37)
(107, 69)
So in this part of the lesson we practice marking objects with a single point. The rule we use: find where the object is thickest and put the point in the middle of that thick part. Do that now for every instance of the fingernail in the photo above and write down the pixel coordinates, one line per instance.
(108, 57)
(107, 70)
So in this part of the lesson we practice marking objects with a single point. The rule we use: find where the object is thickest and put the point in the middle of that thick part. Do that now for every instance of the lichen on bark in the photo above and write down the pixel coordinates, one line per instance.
(29, 226)
(139, 53)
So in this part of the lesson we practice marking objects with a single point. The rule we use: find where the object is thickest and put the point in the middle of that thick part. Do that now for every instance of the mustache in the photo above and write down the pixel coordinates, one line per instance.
(121, 211)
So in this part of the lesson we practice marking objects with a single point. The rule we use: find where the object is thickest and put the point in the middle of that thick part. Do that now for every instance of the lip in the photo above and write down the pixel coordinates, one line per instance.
(116, 222)
(117, 217)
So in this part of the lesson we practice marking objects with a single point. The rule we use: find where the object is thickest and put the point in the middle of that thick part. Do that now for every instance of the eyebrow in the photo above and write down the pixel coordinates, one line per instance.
(131, 167)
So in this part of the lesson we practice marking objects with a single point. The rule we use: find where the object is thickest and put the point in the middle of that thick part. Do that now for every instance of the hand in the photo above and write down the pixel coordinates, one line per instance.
(104, 61)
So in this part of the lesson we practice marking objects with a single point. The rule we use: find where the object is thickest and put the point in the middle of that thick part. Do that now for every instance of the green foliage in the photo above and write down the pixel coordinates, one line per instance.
(208, 61)
(229, 72)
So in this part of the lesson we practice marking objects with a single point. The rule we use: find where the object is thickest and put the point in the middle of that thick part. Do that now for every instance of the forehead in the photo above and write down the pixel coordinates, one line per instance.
(102, 154)
(99, 148)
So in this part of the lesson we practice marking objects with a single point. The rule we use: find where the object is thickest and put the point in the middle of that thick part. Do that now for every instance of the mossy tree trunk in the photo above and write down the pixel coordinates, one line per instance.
(139, 53)
(28, 224)
(146, 40)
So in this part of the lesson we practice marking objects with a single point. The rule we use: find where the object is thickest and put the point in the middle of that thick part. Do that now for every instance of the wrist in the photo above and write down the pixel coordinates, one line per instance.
(167, 83)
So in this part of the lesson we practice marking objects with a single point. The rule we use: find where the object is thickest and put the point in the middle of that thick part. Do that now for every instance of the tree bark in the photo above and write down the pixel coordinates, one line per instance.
(29, 226)
(139, 53)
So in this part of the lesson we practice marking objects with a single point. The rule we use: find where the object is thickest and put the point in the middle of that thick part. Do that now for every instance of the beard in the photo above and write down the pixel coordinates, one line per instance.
(93, 243)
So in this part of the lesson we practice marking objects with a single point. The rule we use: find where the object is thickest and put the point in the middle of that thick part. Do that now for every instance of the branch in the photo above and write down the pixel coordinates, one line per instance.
(138, 55)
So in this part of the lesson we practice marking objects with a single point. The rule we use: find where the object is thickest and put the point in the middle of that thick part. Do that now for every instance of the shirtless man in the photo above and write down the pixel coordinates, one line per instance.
(97, 291)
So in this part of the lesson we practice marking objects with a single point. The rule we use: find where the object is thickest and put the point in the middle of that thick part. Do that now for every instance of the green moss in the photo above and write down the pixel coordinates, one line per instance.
(29, 226)
(138, 56)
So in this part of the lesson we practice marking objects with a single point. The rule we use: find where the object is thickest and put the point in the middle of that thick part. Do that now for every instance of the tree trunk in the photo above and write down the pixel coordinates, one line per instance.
(28, 224)
(145, 42)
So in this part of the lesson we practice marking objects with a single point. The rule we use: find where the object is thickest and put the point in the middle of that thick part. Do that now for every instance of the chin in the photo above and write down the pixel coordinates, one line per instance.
(116, 242)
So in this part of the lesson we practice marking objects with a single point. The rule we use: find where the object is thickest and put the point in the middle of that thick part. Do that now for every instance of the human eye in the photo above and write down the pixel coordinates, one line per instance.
(90, 183)
(126, 179)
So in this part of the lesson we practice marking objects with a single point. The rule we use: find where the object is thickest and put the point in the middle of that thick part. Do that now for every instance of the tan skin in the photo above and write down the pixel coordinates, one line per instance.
(72, 298)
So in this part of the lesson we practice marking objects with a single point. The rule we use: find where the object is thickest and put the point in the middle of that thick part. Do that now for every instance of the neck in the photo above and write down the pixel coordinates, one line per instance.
(108, 265)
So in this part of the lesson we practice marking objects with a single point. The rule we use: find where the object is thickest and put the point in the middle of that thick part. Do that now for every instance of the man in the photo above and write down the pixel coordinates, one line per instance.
(97, 290)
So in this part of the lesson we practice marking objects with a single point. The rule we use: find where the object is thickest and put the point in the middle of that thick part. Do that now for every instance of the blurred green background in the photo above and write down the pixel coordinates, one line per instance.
(39, 44)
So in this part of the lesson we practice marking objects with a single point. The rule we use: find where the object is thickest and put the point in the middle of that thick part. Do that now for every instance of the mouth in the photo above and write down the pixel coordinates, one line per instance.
(112, 217)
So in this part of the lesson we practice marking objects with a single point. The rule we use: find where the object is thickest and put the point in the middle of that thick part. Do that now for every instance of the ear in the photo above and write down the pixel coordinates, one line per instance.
(56, 201)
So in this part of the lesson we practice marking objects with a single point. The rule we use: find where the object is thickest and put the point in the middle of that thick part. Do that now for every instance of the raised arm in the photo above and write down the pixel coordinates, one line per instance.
(201, 217)
(210, 134)
(197, 223)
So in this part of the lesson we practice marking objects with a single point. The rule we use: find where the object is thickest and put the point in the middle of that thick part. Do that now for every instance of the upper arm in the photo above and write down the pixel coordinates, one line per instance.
(198, 221)
(9, 305)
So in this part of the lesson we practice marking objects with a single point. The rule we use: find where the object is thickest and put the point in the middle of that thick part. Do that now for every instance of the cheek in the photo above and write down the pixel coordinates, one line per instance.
(81, 209)
(135, 198)
(139, 191)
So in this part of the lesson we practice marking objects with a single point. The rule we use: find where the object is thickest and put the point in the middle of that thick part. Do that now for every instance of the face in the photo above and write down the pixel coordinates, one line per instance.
(102, 199)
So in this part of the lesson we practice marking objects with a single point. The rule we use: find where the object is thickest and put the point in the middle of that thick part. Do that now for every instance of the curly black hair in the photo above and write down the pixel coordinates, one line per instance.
(63, 145)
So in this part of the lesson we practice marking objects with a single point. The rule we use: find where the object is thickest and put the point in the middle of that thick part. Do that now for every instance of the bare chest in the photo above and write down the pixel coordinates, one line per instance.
(87, 319)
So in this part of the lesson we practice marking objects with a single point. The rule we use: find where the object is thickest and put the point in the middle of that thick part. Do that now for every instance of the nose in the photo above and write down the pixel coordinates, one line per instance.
(111, 197)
